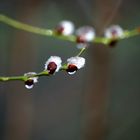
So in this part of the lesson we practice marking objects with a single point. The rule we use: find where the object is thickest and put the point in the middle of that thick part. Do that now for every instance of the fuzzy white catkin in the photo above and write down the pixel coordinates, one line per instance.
(87, 32)
(114, 28)
(57, 60)
(79, 62)
(68, 27)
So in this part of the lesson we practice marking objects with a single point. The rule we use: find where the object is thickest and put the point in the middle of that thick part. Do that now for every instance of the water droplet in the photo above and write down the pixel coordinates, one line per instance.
(29, 86)
(71, 69)
(29, 83)
(72, 72)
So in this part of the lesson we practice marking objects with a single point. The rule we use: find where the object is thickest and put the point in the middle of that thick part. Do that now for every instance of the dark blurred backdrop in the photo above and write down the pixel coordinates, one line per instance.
(99, 102)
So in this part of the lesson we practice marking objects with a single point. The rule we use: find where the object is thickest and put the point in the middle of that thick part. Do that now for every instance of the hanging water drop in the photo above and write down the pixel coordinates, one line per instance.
(71, 69)
(31, 79)
(29, 83)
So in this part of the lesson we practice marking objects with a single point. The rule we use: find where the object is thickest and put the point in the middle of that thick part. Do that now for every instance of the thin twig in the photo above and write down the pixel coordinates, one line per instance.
(48, 32)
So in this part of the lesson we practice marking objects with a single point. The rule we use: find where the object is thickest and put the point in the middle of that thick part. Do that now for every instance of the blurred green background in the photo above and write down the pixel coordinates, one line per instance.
(99, 102)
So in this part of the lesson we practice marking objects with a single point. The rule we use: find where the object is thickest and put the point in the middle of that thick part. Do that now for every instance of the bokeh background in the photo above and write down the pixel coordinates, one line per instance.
(99, 102)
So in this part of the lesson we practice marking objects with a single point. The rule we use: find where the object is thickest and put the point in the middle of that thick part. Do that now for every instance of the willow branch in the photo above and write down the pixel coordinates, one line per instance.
(28, 28)
(25, 78)
(48, 32)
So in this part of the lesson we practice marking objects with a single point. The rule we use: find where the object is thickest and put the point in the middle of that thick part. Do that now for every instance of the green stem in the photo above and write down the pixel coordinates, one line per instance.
(25, 78)
(131, 33)
(25, 27)
(21, 78)
(81, 51)
(36, 30)
(48, 32)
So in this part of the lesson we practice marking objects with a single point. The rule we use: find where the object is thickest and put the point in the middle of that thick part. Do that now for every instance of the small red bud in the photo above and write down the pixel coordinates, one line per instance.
(80, 39)
(51, 67)
(59, 30)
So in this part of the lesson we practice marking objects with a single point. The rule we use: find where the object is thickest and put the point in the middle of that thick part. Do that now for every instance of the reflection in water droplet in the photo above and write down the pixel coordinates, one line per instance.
(29, 86)
(29, 83)
(72, 72)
